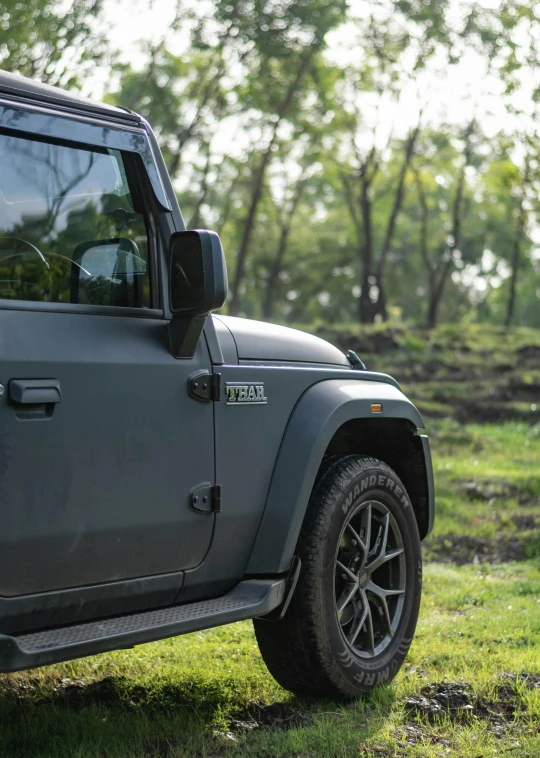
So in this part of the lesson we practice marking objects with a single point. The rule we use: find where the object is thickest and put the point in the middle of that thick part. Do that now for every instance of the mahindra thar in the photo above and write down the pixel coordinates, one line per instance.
(163, 469)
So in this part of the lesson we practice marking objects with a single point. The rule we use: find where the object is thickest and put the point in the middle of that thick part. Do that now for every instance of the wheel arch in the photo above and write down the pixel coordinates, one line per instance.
(335, 417)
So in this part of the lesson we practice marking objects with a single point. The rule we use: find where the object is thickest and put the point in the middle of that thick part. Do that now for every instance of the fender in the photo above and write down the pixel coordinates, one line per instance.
(317, 416)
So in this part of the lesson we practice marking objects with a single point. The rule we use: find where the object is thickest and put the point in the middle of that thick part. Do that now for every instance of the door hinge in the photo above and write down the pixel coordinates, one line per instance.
(205, 387)
(216, 498)
(206, 498)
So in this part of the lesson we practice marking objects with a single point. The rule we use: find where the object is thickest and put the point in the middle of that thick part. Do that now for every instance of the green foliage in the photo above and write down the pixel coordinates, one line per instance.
(430, 221)
(279, 29)
(444, 201)
(49, 40)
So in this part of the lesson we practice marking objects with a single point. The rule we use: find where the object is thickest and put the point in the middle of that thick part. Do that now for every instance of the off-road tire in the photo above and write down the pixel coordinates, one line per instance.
(309, 650)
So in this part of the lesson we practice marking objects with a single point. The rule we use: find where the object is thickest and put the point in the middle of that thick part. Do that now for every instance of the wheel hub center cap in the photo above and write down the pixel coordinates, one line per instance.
(363, 578)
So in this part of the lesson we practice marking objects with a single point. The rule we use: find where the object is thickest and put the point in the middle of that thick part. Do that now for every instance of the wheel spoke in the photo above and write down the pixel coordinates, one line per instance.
(380, 592)
(370, 629)
(348, 596)
(347, 571)
(356, 537)
(384, 558)
(361, 621)
(386, 614)
(365, 521)
(385, 534)
(393, 554)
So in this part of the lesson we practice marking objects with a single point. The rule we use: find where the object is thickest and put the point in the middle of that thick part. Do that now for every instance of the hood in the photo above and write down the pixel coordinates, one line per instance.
(259, 341)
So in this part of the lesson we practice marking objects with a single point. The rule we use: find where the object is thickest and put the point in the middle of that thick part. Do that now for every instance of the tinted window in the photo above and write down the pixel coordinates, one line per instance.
(69, 230)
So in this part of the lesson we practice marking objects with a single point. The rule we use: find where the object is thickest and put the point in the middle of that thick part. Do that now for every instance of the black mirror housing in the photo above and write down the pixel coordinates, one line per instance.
(198, 273)
(197, 286)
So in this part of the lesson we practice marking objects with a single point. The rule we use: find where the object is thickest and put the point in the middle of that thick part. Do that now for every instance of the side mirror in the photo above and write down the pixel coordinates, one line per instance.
(197, 286)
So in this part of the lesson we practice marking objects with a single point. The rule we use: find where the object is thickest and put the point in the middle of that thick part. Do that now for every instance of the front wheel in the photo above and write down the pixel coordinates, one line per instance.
(354, 611)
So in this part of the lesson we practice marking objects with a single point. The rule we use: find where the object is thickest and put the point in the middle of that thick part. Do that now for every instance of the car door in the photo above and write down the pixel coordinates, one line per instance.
(100, 444)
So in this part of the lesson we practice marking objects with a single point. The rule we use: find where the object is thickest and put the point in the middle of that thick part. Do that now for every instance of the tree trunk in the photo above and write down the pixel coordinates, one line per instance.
(249, 223)
(259, 184)
(366, 312)
(438, 289)
(360, 211)
(436, 297)
(208, 87)
(271, 285)
(195, 220)
(186, 133)
(380, 305)
(433, 307)
(516, 246)
(229, 196)
(367, 309)
(424, 244)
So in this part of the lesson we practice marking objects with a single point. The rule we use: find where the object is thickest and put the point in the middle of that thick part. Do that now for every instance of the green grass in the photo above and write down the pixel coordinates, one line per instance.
(471, 372)
(209, 694)
(181, 696)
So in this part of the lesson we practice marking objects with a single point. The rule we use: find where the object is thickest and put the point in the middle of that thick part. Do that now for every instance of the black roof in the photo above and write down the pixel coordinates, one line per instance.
(29, 90)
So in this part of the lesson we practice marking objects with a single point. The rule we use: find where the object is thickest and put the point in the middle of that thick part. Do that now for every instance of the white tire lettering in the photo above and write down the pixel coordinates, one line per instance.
(346, 658)
(347, 504)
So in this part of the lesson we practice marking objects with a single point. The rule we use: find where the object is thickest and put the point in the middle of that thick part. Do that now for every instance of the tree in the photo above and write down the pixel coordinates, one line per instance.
(360, 197)
(282, 46)
(50, 41)
(181, 96)
(418, 219)
(520, 214)
(440, 267)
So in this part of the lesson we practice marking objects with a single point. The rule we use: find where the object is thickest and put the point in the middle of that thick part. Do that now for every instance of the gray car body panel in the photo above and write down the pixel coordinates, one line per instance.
(99, 491)
(260, 341)
(259, 446)
(320, 412)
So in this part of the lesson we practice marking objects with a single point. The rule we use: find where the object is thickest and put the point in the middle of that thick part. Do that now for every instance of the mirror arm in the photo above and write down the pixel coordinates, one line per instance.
(184, 334)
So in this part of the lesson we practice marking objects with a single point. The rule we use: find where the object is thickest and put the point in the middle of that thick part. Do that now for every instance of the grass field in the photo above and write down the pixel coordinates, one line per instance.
(470, 686)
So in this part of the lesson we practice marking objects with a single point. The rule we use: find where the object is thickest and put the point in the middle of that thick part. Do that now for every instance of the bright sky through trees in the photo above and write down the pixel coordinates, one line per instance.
(367, 159)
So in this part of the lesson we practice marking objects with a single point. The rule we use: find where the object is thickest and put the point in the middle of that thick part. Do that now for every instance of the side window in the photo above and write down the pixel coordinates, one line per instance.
(70, 231)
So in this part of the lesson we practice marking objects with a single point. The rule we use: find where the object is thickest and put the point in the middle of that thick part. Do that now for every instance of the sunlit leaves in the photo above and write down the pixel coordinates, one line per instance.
(50, 40)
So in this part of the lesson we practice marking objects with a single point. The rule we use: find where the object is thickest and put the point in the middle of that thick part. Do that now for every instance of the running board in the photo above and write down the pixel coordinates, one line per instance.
(254, 597)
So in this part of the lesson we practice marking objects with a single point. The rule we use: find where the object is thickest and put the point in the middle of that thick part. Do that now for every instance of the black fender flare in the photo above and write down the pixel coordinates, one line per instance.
(317, 416)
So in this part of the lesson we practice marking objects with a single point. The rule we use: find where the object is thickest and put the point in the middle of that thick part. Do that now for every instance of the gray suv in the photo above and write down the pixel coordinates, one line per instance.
(137, 500)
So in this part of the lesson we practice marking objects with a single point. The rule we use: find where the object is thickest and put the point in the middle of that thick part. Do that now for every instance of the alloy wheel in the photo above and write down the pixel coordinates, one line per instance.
(369, 579)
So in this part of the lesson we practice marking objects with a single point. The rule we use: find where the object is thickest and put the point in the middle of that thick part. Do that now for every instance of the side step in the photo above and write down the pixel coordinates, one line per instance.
(254, 597)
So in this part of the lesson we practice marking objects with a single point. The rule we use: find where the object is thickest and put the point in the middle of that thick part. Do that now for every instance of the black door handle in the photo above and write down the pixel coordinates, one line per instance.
(35, 391)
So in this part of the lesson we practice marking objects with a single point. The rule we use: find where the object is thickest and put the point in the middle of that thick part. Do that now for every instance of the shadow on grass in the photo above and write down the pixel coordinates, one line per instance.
(113, 718)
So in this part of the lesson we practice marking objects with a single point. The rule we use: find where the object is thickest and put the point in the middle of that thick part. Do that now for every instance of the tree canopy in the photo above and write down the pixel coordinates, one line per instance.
(350, 177)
